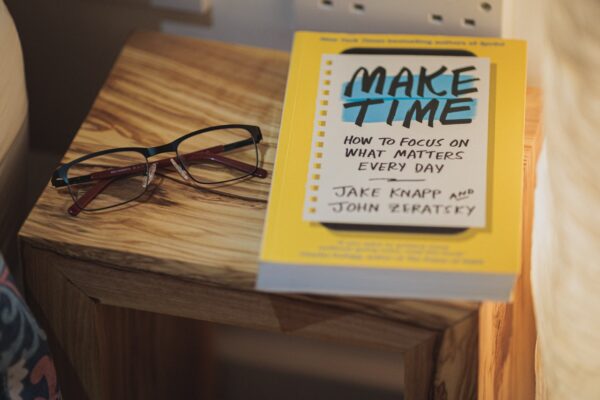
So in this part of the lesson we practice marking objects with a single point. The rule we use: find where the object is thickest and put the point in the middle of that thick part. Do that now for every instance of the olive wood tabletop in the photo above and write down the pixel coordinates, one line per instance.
(126, 288)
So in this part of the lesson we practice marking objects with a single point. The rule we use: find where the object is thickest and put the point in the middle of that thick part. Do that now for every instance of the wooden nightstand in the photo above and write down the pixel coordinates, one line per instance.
(122, 292)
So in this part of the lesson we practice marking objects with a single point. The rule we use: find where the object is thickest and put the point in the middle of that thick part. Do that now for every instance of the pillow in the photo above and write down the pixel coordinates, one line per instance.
(26, 367)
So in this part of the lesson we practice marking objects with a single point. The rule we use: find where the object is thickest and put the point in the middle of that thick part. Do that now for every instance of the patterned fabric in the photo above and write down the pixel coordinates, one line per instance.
(26, 368)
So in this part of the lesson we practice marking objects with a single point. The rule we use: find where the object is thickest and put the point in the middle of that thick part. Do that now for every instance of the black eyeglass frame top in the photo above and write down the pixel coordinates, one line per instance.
(60, 176)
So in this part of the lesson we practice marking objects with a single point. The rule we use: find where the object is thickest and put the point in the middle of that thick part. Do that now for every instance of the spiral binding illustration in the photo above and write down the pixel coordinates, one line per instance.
(319, 135)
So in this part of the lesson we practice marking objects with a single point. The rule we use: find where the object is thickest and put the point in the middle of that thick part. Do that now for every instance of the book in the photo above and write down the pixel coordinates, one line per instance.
(399, 168)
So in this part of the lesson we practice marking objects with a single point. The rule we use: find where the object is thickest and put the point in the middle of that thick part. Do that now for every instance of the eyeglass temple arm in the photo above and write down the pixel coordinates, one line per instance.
(90, 195)
(104, 181)
(210, 154)
(240, 166)
(100, 175)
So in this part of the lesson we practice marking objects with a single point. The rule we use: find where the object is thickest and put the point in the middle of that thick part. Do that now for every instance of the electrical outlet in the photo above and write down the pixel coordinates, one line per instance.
(438, 17)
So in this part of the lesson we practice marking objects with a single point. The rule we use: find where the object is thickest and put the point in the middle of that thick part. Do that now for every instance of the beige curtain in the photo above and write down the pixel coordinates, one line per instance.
(566, 241)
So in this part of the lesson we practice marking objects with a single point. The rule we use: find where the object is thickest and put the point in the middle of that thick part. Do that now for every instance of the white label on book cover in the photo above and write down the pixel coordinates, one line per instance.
(400, 140)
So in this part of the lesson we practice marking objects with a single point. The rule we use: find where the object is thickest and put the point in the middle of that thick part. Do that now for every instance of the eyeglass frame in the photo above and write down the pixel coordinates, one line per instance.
(61, 179)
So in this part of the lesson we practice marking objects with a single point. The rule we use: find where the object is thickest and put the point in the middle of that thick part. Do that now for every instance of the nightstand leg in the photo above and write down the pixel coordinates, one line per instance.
(444, 368)
(104, 352)
(419, 366)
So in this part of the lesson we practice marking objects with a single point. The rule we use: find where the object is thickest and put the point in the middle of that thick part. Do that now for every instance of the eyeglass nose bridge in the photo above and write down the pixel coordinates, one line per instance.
(152, 151)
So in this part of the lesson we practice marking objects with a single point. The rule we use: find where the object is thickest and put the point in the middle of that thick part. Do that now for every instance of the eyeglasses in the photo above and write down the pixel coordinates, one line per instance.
(215, 157)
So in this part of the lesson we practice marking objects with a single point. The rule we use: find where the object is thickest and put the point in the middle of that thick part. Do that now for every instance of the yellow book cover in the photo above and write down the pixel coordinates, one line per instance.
(399, 168)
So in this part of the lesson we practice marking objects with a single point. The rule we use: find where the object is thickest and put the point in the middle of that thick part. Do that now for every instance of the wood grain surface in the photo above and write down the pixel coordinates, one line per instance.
(103, 352)
(188, 253)
(507, 331)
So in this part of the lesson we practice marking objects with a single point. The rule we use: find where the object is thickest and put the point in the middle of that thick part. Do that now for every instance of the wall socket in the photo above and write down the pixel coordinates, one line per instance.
(436, 17)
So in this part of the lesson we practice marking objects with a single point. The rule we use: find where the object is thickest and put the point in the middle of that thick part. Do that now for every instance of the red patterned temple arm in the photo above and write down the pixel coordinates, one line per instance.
(90, 195)
(106, 177)
(240, 166)
(209, 154)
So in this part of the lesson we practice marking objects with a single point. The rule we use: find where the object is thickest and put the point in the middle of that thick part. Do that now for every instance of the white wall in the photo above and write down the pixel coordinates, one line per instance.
(269, 23)
(266, 23)
(69, 46)
(525, 22)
